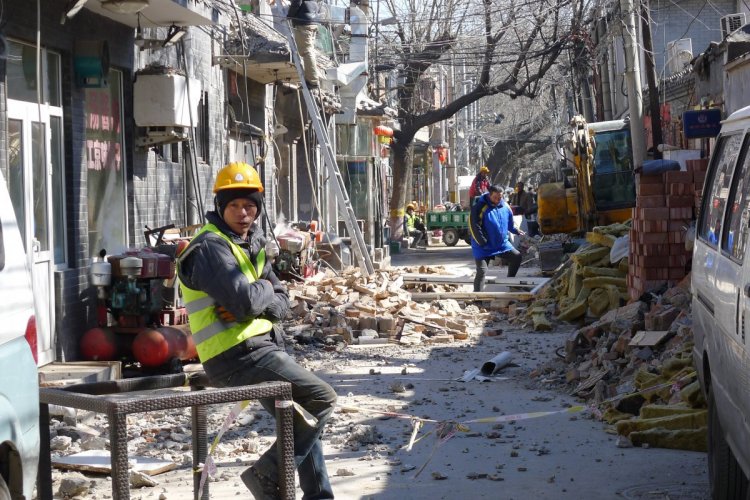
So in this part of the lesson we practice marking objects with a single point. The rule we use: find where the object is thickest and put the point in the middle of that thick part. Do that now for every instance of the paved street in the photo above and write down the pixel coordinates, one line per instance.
(561, 456)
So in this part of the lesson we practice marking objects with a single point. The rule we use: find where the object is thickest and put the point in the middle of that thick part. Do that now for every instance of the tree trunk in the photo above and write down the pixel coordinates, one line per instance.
(402, 159)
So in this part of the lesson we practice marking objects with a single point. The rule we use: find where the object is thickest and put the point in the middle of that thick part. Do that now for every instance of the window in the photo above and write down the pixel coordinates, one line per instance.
(56, 158)
(734, 238)
(714, 202)
(105, 171)
(2, 247)
(202, 129)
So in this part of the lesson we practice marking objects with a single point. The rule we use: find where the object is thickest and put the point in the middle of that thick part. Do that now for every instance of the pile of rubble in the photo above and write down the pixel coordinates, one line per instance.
(589, 285)
(634, 366)
(349, 308)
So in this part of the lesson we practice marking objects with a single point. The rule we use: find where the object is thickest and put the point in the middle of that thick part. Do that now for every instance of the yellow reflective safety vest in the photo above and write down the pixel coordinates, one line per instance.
(213, 336)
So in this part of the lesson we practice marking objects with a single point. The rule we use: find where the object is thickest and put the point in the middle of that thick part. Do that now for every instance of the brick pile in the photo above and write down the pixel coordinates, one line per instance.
(666, 204)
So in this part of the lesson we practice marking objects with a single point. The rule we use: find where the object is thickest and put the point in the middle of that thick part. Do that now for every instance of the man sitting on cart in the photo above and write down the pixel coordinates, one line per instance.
(414, 227)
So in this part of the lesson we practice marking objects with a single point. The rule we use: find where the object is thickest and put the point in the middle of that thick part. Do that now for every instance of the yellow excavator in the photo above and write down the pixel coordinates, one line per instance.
(599, 185)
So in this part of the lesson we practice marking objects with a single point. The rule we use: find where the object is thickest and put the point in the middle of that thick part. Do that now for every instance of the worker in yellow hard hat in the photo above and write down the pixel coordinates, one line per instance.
(480, 184)
(414, 227)
(235, 303)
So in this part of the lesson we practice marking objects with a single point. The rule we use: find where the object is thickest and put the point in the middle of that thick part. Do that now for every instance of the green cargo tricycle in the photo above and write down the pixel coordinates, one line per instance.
(453, 224)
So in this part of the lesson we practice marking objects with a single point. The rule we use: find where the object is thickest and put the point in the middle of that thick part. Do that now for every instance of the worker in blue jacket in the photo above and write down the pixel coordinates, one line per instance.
(490, 222)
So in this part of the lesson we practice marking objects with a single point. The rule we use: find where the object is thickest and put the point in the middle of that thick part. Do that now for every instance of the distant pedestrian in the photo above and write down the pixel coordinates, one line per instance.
(480, 184)
(490, 221)
(523, 200)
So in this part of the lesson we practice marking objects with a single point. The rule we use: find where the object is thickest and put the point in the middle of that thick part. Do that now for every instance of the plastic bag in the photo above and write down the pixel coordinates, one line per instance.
(619, 249)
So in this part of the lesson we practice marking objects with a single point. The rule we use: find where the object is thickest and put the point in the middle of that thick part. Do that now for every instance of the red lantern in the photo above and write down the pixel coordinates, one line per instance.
(384, 131)
(442, 154)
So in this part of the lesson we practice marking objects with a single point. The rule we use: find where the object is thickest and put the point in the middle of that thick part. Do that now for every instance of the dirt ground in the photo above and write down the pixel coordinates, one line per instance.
(557, 456)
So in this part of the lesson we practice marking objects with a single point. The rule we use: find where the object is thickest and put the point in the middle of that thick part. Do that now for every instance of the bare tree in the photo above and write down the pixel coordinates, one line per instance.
(509, 45)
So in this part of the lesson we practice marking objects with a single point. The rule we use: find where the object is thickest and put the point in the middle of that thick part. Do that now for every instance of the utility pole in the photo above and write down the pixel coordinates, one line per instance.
(653, 89)
(633, 81)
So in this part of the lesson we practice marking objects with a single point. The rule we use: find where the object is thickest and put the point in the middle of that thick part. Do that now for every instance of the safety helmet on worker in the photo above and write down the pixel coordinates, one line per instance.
(410, 206)
(237, 175)
(484, 170)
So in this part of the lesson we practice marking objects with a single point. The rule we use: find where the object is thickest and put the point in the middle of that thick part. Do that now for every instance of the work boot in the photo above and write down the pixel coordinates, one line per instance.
(259, 485)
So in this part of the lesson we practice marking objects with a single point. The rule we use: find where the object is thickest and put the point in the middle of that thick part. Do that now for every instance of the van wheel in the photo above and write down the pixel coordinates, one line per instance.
(725, 475)
(4, 491)
(450, 237)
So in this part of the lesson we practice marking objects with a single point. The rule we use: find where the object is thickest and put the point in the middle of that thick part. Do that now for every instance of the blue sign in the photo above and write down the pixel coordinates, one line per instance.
(703, 123)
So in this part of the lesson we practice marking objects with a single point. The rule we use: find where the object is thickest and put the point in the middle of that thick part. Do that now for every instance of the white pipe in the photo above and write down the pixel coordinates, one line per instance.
(497, 363)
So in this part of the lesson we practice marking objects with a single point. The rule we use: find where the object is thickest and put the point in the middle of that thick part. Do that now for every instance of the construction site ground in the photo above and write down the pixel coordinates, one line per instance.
(565, 455)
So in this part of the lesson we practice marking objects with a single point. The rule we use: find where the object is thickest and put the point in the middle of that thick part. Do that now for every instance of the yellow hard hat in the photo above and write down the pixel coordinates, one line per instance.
(237, 175)
(410, 205)
(484, 170)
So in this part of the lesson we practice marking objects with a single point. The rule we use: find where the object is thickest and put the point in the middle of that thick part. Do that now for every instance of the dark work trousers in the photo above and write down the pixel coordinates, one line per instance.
(264, 361)
(513, 257)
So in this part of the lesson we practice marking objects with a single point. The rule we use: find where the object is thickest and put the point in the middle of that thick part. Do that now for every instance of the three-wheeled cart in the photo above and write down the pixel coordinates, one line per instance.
(453, 224)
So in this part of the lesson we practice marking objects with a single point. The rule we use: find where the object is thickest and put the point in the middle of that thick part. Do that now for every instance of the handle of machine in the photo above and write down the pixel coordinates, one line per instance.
(159, 230)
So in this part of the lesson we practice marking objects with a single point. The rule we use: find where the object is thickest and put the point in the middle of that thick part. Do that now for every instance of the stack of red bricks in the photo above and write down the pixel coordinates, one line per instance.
(665, 206)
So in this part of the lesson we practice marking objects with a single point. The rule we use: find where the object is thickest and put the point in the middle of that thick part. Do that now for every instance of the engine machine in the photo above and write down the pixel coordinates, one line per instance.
(139, 312)
(295, 253)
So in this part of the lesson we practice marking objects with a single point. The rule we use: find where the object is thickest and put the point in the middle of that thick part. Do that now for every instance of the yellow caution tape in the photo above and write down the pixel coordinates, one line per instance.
(522, 416)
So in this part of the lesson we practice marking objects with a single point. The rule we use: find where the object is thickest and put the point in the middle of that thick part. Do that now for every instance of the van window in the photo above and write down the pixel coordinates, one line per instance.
(734, 238)
(2, 248)
(715, 200)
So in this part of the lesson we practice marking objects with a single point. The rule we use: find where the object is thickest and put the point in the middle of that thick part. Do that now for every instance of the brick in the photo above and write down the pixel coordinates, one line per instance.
(653, 273)
(656, 201)
(694, 165)
(660, 318)
(653, 226)
(653, 238)
(678, 177)
(653, 213)
(680, 201)
(681, 189)
(681, 213)
(654, 261)
(678, 261)
(653, 249)
(649, 189)
(679, 249)
(676, 237)
(650, 179)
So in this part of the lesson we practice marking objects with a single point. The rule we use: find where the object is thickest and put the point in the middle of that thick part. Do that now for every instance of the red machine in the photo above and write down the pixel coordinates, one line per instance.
(139, 310)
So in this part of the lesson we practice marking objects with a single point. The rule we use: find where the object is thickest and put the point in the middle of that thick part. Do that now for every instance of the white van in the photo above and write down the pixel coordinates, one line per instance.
(721, 307)
(19, 389)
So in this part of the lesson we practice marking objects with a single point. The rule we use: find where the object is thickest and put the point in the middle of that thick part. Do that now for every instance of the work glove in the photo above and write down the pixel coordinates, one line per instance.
(225, 315)
(278, 308)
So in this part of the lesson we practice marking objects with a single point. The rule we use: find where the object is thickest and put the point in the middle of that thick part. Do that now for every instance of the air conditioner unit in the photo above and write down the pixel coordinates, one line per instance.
(731, 23)
(679, 54)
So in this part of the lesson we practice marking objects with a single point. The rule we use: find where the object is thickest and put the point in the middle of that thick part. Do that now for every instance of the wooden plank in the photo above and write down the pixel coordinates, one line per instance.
(525, 282)
(100, 461)
(648, 338)
(471, 296)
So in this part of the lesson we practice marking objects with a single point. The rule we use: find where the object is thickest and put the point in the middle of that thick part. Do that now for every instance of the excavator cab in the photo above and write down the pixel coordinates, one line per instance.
(613, 180)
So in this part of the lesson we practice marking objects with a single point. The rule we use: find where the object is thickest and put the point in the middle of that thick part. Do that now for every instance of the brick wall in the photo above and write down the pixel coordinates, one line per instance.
(666, 205)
